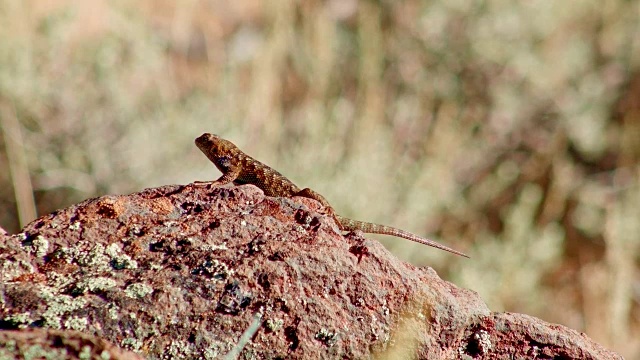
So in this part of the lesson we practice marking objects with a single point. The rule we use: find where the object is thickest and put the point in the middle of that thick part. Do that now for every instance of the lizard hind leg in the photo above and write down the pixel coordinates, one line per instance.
(311, 194)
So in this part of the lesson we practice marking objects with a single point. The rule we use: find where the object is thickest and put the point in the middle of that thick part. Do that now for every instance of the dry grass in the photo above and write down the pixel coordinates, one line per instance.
(508, 130)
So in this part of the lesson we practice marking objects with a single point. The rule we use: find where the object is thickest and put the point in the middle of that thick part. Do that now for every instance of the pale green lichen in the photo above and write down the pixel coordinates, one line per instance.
(38, 352)
(113, 311)
(328, 337)
(113, 250)
(85, 353)
(131, 344)
(69, 255)
(211, 354)
(99, 258)
(274, 324)
(74, 226)
(59, 281)
(39, 246)
(76, 323)
(138, 290)
(58, 304)
(12, 269)
(179, 349)
(21, 320)
(214, 247)
(9, 346)
(95, 258)
(123, 261)
(95, 284)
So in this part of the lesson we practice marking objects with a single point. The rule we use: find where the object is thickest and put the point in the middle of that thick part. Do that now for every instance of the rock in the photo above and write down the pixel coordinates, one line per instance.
(184, 271)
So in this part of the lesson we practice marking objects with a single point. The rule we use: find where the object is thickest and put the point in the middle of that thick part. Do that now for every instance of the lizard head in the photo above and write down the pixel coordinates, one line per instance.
(215, 147)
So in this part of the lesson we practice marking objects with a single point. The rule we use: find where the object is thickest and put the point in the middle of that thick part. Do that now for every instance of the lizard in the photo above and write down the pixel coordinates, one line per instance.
(239, 168)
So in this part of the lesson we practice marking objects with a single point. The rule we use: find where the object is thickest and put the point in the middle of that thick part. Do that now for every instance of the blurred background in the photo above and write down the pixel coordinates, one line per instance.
(507, 130)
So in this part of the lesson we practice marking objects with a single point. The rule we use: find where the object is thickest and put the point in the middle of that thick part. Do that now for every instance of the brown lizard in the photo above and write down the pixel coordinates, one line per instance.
(240, 168)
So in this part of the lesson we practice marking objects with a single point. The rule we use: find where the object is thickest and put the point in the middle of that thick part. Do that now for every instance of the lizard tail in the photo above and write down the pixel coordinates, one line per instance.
(371, 228)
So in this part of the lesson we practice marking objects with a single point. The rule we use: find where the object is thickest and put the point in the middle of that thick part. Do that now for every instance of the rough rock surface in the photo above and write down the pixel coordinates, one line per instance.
(183, 271)
(58, 344)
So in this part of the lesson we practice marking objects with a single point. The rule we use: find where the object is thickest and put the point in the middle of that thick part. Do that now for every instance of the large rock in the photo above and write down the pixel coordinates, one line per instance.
(185, 271)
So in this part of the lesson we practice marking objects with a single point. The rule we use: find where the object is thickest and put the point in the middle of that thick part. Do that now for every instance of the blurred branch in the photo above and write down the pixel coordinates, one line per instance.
(245, 338)
(18, 166)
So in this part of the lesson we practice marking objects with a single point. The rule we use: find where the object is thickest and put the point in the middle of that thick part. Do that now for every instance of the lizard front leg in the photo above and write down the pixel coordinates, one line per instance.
(226, 178)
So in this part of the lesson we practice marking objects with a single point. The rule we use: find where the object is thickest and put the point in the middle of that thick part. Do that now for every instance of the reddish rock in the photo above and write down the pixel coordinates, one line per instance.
(184, 271)
(58, 344)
